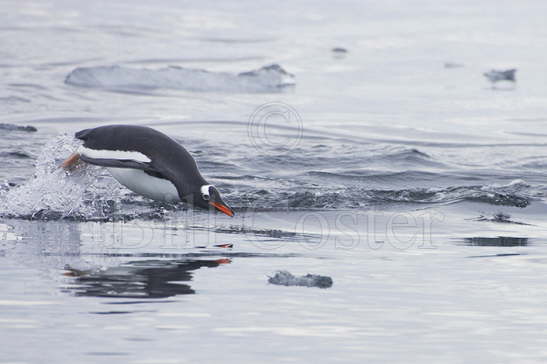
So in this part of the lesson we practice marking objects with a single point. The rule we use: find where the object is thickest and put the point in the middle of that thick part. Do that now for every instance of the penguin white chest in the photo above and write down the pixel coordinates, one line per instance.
(146, 185)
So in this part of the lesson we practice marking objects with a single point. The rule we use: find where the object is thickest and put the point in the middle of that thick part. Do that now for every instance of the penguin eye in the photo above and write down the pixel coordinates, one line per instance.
(205, 196)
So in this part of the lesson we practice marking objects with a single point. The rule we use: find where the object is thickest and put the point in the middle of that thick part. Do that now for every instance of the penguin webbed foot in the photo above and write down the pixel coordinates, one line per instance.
(72, 162)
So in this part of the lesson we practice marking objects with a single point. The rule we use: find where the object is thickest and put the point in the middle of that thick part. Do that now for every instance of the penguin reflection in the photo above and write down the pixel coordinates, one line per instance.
(140, 279)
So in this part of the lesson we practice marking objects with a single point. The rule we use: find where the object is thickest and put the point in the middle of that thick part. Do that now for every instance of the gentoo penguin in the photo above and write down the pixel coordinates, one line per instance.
(149, 163)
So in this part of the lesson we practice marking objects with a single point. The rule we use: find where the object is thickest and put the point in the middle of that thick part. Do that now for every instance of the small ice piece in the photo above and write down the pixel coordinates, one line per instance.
(501, 75)
(453, 65)
(339, 50)
(284, 278)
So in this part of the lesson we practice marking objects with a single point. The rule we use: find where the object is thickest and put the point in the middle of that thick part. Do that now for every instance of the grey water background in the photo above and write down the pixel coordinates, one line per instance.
(418, 188)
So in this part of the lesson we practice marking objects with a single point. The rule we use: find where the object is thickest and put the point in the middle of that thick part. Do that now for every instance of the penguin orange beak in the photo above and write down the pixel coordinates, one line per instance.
(222, 208)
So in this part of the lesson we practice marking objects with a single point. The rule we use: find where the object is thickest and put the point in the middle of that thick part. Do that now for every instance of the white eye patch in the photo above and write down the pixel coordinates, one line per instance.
(205, 192)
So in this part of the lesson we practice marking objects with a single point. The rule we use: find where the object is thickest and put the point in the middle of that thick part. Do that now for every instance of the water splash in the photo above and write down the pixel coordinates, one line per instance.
(53, 193)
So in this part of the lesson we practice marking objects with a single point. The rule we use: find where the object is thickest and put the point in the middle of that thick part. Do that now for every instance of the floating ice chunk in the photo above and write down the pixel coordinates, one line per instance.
(284, 278)
(270, 78)
(12, 127)
(501, 75)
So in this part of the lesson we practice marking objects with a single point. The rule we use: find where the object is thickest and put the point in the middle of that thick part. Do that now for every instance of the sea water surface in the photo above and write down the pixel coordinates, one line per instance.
(394, 168)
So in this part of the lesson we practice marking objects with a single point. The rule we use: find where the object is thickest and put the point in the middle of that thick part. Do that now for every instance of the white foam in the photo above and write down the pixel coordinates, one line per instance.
(52, 190)
(266, 79)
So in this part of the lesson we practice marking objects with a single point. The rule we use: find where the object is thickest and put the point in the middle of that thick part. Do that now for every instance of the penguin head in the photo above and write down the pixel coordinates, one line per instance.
(210, 197)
